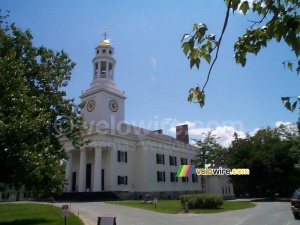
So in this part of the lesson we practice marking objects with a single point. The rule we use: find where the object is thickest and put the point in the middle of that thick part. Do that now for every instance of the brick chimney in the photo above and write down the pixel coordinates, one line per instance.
(182, 133)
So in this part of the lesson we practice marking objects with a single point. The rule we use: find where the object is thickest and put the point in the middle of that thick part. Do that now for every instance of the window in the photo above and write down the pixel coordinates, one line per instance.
(103, 70)
(97, 51)
(161, 176)
(122, 180)
(88, 176)
(122, 156)
(96, 69)
(103, 51)
(160, 159)
(173, 161)
(110, 51)
(194, 178)
(183, 161)
(110, 69)
(173, 177)
(185, 179)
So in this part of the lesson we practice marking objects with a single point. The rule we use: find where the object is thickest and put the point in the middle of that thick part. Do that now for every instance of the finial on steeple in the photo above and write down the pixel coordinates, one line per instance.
(105, 33)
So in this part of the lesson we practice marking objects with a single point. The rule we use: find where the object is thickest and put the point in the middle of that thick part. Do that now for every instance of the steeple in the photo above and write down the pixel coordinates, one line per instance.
(104, 64)
(104, 103)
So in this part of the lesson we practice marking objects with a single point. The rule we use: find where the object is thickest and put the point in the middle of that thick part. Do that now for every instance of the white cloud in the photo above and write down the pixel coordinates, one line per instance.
(153, 64)
(196, 131)
(278, 123)
(224, 130)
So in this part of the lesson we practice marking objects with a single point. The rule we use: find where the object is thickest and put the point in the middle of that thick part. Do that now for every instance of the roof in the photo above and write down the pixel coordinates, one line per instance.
(104, 43)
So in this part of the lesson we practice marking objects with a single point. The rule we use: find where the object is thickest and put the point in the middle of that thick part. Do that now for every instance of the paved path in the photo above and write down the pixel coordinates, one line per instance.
(275, 213)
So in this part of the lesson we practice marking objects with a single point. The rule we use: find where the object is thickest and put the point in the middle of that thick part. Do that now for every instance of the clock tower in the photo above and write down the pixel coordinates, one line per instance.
(104, 104)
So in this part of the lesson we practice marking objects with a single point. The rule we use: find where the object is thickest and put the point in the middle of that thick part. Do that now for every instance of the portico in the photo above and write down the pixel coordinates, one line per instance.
(86, 177)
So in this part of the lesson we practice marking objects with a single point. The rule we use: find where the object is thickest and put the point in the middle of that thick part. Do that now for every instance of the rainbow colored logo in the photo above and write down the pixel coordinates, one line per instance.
(185, 170)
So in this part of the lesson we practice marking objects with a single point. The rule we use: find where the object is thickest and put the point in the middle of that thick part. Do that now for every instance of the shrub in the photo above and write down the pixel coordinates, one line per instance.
(202, 201)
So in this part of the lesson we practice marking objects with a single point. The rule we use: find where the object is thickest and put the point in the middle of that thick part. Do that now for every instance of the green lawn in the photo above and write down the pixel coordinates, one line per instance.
(34, 214)
(174, 206)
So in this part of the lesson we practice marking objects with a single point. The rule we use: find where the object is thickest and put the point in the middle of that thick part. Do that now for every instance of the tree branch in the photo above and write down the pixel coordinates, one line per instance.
(219, 43)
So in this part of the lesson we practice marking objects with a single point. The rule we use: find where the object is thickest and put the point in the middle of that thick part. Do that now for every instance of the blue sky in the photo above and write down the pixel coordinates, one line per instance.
(152, 69)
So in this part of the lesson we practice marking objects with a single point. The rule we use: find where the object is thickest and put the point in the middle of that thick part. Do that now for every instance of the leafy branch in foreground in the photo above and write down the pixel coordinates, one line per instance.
(281, 22)
(34, 112)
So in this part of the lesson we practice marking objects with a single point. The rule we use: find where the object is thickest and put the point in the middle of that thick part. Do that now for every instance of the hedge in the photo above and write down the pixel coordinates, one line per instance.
(202, 201)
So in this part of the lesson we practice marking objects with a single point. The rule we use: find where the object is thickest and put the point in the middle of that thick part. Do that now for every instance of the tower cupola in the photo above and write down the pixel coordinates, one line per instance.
(104, 64)
(103, 101)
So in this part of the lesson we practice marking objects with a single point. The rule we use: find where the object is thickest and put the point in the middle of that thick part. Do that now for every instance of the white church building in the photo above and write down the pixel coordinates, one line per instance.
(127, 160)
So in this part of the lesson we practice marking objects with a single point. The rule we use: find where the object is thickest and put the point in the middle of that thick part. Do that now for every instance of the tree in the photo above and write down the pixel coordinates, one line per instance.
(279, 20)
(272, 156)
(34, 113)
(209, 152)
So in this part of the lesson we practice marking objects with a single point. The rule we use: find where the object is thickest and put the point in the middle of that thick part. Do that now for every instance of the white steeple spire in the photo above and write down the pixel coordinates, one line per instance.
(104, 102)
(104, 64)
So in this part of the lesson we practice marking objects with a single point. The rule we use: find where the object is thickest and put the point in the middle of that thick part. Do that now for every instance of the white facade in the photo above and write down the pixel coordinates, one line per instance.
(122, 158)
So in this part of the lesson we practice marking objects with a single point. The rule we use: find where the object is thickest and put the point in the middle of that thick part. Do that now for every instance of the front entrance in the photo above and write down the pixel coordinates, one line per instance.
(88, 178)
(74, 181)
(102, 179)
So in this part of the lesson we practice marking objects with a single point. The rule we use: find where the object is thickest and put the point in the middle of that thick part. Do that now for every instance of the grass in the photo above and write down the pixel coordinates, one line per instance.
(34, 214)
(174, 206)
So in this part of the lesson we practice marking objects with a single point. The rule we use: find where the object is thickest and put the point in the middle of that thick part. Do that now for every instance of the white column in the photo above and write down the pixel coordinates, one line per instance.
(82, 171)
(69, 164)
(97, 170)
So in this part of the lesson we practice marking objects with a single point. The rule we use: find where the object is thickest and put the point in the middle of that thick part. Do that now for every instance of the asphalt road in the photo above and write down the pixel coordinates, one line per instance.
(275, 213)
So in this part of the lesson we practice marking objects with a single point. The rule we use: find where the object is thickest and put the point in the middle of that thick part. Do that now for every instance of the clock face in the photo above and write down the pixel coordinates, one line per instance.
(90, 105)
(113, 105)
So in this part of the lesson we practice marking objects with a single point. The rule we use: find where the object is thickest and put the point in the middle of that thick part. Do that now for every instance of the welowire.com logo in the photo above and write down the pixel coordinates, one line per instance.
(187, 170)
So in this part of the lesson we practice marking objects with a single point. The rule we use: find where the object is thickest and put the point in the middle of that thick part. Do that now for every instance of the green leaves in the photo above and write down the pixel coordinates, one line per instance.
(244, 7)
(288, 105)
(270, 154)
(196, 46)
(278, 20)
(233, 4)
(285, 24)
(199, 45)
(196, 95)
(32, 103)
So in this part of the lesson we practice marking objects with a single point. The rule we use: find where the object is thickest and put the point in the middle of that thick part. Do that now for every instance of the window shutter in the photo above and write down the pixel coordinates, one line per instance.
(126, 180)
(157, 175)
(156, 158)
(164, 176)
(170, 158)
(126, 157)
(119, 156)
(118, 179)
(175, 161)
(163, 159)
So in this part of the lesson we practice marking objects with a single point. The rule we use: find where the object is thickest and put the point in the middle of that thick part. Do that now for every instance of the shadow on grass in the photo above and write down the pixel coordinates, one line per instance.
(27, 221)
